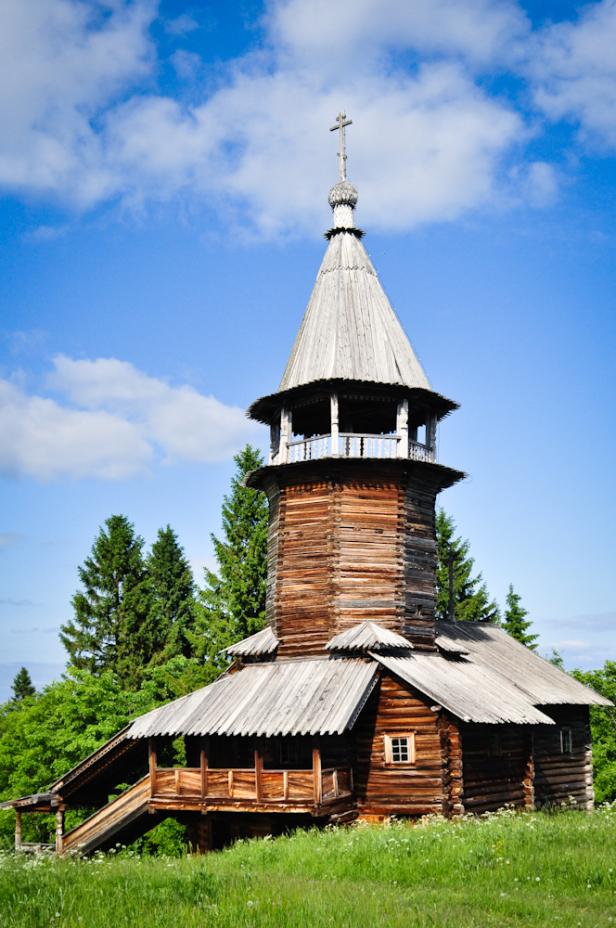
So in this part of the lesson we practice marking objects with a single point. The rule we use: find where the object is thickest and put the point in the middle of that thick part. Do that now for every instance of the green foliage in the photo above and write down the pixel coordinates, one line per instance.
(508, 869)
(172, 609)
(22, 685)
(112, 627)
(232, 605)
(471, 600)
(515, 621)
(603, 726)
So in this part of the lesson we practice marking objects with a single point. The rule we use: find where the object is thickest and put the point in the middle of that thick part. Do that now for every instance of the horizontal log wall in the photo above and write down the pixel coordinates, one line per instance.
(349, 548)
(564, 778)
(495, 759)
(383, 789)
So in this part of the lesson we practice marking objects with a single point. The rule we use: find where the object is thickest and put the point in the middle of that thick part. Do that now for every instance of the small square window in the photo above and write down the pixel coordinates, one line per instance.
(400, 749)
(566, 741)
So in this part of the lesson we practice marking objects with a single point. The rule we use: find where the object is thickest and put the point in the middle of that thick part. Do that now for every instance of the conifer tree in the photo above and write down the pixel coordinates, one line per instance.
(515, 621)
(22, 685)
(471, 600)
(111, 627)
(232, 605)
(173, 597)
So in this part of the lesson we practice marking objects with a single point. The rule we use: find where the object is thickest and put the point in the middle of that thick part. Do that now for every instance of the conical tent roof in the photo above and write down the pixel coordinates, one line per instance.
(349, 330)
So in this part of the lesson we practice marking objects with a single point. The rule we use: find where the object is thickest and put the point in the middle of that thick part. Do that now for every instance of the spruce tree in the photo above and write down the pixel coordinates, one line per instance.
(471, 600)
(22, 685)
(173, 597)
(111, 627)
(232, 605)
(515, 621)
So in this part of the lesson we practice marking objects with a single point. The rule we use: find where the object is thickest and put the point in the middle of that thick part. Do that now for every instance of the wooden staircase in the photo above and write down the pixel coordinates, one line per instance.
(122, 820)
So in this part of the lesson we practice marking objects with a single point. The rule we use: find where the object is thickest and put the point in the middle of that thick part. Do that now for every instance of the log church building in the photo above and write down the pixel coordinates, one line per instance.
(353, 701)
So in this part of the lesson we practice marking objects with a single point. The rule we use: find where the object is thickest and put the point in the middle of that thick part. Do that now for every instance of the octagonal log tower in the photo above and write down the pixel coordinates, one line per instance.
(352, 476)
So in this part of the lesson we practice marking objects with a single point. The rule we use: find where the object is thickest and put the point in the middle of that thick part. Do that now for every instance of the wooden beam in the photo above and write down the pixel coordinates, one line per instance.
(258, 771)
(17, 830)
(316, 774)
(152, 764)
(335, 428)
(402, 428)
(204, 771)
(59, 831)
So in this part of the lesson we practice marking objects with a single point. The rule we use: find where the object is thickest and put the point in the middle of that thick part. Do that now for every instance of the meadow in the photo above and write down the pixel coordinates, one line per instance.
(500, 870)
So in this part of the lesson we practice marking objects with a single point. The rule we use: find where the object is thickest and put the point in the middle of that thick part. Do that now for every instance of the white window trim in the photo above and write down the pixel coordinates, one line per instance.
(388, 748)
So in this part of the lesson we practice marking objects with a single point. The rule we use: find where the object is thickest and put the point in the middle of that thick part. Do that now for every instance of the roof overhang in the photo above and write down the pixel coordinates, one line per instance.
(267, 408)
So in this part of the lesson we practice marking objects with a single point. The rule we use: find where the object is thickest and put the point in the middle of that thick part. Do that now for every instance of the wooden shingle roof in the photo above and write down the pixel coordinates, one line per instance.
(349, 330)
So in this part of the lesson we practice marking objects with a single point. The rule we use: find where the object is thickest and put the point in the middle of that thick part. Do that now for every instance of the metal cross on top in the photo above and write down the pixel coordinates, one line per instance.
(341, 123)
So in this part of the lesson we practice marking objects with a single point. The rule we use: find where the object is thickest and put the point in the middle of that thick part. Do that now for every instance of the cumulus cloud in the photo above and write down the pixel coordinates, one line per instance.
(573, 69)
(85, 122)
(111, 422)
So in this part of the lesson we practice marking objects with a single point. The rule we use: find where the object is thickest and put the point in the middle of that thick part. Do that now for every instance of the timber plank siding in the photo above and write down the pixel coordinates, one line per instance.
(564, 777)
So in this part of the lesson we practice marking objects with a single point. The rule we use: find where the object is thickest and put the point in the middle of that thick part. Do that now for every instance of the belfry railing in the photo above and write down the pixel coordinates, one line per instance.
(355, 445)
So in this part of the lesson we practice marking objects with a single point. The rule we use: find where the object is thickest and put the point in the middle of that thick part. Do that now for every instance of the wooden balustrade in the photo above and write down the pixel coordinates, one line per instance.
(356, 445)
(256, 784)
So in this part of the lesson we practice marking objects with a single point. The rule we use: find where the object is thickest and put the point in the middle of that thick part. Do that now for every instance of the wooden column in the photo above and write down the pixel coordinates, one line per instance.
(316, 774)
(203, 764)
(286, 430)
(402, 428)
(335, 427)
(152, 764)
(17, 830)
(274, 443)
(258, 772)
(529, 776)
(59, 830)
(431, 433)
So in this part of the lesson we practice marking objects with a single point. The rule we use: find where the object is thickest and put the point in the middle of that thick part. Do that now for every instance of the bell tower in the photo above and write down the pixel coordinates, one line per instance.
(353, 475)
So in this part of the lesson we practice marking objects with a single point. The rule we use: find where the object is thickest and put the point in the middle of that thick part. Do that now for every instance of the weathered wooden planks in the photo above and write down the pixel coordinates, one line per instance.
(564, 777)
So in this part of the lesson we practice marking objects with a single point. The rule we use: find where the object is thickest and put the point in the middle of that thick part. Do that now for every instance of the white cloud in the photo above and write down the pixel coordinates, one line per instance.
(573, 68)
(347, 32)
(61, 63)
(112, 422)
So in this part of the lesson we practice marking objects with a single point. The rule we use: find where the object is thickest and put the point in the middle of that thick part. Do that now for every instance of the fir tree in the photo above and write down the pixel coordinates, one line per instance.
(515, 621)
(232, 605)
(111, 627)
(471, 600)
(173, 597)
(22, 685)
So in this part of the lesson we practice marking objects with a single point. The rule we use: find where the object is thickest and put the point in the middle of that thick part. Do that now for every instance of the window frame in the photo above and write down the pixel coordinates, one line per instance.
(388, 748)
(566, 739)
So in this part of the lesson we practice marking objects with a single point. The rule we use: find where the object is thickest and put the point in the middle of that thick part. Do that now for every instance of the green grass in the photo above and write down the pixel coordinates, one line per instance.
(501, 870)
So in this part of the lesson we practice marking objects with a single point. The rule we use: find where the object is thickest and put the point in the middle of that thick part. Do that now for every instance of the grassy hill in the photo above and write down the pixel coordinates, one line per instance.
(502, 870)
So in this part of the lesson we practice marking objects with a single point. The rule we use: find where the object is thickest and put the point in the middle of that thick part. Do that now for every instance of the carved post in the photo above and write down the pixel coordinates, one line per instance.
(274, 443)
(431, 433)
(59, 830)
(152, 765)
(258, 770)
(286, 426)
(316, 774)
(402, 428)
(17, 830)
(204, 772)
(333, 404)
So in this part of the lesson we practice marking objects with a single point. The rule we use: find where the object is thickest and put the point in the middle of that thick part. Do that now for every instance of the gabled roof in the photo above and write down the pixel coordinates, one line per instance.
(349, 330)
(468, 689)
(257, 645)
(307, 697)
(368, 636)
(541, 681)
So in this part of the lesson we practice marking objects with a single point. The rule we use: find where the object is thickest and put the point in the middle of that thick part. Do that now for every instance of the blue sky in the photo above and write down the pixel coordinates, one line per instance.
(164, 171)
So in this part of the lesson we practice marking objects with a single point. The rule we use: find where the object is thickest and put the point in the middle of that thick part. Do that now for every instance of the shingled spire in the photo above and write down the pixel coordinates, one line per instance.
(349, 330)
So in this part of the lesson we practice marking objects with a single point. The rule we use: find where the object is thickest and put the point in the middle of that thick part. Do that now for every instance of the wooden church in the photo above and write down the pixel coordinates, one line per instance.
(353, 702)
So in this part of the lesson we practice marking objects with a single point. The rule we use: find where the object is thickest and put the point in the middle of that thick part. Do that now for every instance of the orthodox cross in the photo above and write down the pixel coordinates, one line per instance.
(341, 123)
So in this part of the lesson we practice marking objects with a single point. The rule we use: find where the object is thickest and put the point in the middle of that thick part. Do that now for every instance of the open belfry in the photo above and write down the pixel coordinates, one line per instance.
(353, 701)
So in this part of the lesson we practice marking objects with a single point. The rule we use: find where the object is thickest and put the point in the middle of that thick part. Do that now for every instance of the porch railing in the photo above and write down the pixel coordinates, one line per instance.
(248, 783)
